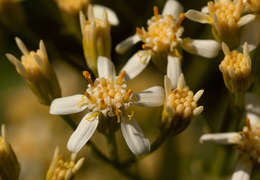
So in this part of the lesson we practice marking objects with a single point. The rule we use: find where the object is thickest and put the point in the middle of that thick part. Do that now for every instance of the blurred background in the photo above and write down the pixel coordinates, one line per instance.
(34, 133)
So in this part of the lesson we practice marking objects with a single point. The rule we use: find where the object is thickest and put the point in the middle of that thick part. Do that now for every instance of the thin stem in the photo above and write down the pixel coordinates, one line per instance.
(99, 154)
(111, 140)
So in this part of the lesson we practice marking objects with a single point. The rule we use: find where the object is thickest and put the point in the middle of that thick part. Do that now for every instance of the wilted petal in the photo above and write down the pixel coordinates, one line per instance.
(198, 16)
(243, 169)
(204, 48)
(137, 63)
(67, 105)
(174, 70)
(127, 44)
(221, 138)
(83, 133)
(251, 34)
(111, 15)
(173, 8)
(205, 9)
(246, 19)
(106, 67)
(134, 137)
(150, 97)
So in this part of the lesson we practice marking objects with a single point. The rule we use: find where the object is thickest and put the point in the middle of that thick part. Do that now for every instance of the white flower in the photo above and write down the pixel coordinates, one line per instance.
(163, 38)
(247, 141)
(226, 18)
(109, 95)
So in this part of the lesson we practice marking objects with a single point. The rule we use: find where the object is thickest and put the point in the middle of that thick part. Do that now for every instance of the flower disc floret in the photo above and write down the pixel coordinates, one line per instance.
(162, 32)
(109, 96)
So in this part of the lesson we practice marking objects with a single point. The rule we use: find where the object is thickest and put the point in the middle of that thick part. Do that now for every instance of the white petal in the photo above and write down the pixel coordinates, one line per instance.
(173, 8)
(134, 137)
(246, 19)
(150, 97)
(67, 105)
(251, 34)
(106, 68)
(252, 103)
(126, 44)
(137, 63)
(83, 133)
(205, 9)
(111, 15)
(174, 70)
(198, 16)
(243, 169)
(221, 138)
(204, 48)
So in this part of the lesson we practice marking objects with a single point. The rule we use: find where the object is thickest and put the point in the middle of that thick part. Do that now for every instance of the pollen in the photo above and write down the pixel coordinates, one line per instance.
(109, 96)
(228, 13)
(235, 65)
(162, 33)
(183, 101)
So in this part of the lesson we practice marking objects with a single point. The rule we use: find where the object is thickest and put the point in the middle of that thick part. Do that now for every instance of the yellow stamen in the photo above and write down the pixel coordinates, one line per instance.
(91, 98)
(87, 75)
(156, 12)
(139, 31)
(120, 78)
(181, 18)
(128, 94)
(117, 115)
(92, 115)
(131, 115)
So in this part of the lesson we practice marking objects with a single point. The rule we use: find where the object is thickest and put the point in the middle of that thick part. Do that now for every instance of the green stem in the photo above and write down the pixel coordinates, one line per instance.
(99, 154)
(112, 146)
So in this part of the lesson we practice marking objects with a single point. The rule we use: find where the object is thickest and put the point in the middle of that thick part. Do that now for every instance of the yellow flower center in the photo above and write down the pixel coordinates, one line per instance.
(108, 96)
(235, 65)
(30, 64)
(162, 33)
(228, 13)
(250, 142)
(182, 101)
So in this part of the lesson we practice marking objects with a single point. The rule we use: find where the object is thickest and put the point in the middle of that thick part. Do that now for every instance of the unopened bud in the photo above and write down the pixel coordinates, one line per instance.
(96, 38)
(180, 107)
(35, 68)
(9, 165)
(236, 69)
(61, 169)
(72, 6)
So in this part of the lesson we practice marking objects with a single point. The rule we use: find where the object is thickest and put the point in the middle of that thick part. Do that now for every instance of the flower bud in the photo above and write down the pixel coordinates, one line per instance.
(96, 38)
(61, 169)
(236, 69)
(35, 68)
(72, 7)
(226, 16)
(9, 165)
(180, 107)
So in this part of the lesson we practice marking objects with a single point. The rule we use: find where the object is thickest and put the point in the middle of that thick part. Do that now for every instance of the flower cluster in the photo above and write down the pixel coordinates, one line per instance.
(108, 98)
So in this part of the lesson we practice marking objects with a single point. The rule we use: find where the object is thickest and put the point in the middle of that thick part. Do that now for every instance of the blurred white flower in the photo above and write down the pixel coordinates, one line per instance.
(162, 39)
(247, 141)
(226, 18)
(108, 95)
